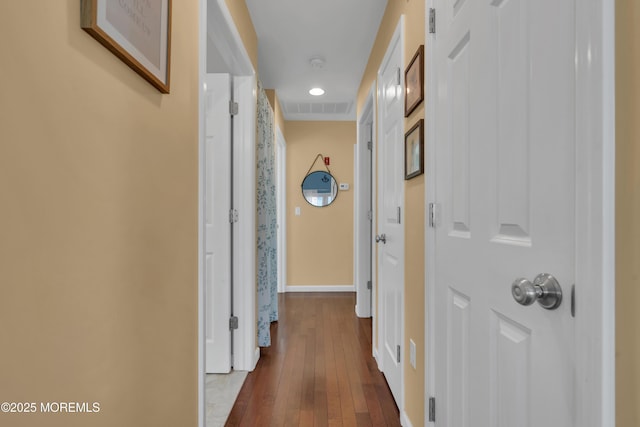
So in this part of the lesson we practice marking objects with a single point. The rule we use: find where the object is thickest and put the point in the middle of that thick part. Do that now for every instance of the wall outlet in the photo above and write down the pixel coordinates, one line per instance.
(412, 354)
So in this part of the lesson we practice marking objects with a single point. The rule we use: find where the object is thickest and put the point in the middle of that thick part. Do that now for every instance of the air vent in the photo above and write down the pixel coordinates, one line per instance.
(298, 108)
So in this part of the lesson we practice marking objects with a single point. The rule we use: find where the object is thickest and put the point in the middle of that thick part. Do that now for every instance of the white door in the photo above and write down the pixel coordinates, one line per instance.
(217, 190)
(390, 213)
(505, 194)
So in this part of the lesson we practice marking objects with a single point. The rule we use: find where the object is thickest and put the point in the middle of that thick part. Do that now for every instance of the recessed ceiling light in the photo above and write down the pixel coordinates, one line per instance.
(316, 91)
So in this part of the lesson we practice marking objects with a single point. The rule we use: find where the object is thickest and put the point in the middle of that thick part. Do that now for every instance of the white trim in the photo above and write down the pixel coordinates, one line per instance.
(281, 196)
(430, 190)
(202, 72)
(404, 420)
(222, 31)
(595, 213)
(320, 288)
(363, 245)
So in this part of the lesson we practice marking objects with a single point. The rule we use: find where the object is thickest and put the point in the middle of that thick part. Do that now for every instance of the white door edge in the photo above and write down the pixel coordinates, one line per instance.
(234, 48)
(362, 241)
(397, 38)
(281, 159)
(595, 188)
(244, 125)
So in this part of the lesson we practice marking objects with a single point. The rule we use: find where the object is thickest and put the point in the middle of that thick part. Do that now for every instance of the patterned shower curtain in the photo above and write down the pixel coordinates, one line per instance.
(267, 221)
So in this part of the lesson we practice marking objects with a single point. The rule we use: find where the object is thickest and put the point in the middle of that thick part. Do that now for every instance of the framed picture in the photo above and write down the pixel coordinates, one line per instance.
(413, 151)
(136, 31)
(414, 82)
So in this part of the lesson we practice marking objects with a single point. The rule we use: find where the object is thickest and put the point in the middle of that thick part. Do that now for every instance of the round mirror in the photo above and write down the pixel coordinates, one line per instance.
(319, 188)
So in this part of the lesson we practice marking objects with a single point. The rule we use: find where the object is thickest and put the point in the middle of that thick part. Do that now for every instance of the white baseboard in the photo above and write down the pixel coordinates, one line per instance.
(256, 357)
(375, 356)
(404, 420)
(321, 288)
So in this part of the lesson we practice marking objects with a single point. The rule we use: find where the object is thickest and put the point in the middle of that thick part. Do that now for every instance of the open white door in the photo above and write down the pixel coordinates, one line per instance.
(281, 203)
(504, 198)
(390, 236)
(217, 200)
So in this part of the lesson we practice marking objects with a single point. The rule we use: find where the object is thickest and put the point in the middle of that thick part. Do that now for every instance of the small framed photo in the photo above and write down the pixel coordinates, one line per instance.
(414, 151)
(136, 31)
(414, 82)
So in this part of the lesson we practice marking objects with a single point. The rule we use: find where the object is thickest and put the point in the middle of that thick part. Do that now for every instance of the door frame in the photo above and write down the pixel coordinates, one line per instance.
(595, 234)
(281, 196)
(216, 25)
(363, 247)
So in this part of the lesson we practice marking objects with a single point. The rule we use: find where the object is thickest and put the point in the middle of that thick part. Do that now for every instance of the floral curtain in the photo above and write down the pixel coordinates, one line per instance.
(267, 221)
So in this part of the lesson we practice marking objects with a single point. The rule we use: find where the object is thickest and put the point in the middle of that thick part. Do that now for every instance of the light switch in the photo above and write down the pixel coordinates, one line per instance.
(344, 187)
(412, 354)
(297, 210)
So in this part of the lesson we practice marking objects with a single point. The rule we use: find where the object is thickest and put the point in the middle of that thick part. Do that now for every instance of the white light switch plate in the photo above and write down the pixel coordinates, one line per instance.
(297, 210)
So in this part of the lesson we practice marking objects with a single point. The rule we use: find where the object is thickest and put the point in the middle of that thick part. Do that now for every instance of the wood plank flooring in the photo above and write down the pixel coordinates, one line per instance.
(318, 371)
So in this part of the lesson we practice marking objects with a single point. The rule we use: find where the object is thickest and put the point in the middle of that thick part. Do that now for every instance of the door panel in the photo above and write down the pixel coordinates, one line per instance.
(391, 203)
(217, 199)
(505, 185)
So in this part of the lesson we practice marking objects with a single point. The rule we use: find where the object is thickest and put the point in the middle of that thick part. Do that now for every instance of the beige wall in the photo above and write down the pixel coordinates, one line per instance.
(278, 115)
(320, 240)
(414, 319)
(628, 213)
(98, 223)
(242, 19)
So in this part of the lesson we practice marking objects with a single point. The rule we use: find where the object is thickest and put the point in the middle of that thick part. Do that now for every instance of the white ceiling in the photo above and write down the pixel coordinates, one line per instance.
(292, 32)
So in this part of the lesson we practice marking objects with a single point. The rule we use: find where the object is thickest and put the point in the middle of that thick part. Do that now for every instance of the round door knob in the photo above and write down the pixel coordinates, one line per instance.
(381, 238)
(545, 289)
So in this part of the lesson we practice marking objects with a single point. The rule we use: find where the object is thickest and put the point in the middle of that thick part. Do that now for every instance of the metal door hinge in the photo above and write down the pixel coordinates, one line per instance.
(369, 285)
(370, 145)
(399, 215)
(398, 353)
(233, 216)
(370, 215)
(233, 323)
(573, 300)
(432, 409)
(233, 108)
(432, 21)
(432, 215)
(399, 76)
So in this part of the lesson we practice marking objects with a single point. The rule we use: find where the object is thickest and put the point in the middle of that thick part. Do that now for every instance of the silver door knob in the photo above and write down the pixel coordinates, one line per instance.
(545, 289)
(381, 238)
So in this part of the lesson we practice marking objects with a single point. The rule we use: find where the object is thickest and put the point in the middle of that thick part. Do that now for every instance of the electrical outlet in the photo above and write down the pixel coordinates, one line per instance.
(412, 354)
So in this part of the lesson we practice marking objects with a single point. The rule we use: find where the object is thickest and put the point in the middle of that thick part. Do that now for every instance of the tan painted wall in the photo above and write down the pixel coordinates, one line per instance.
(98, 223)
(244, 24)
(320, 240)
(414, 318)
(627, 213)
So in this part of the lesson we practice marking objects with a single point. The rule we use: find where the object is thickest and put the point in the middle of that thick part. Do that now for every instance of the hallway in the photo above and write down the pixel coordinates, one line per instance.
(319, 370)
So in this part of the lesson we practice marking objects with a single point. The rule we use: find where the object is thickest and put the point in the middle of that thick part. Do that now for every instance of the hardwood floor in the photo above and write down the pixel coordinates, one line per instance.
(318, 371)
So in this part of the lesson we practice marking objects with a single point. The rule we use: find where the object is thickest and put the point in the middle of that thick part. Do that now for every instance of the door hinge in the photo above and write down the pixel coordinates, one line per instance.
(370, 145)
(370, 215)
(233, 216)
(369, 285)
(573, 300)
(432, 215)
(432, 21)
(233, 108)
(398, 353)
(432, 409)
(399, 76)
(399, 214)
(233, 323)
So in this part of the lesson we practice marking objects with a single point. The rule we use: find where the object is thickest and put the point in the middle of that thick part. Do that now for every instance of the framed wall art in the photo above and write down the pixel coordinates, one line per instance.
(414, 151)
(136, 31)
(414, 82)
